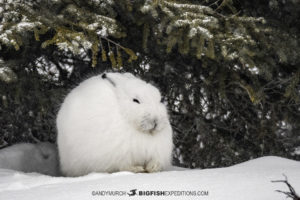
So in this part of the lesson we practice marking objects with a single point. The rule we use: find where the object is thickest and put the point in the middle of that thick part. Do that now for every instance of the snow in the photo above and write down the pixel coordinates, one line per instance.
(250, 180)
(297, 151)
(24, 25)
(7, 74)
(103, 32)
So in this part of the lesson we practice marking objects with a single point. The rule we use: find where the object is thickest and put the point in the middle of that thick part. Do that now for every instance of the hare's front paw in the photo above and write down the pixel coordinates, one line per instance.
(134, 169)
(153, 166)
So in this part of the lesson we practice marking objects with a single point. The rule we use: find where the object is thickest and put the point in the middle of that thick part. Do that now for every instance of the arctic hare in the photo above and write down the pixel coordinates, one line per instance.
(113, 122)
(27, 157)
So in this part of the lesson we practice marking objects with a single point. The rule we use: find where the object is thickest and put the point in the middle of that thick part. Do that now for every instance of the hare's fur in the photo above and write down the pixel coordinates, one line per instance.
(113, 122)
(27, 157)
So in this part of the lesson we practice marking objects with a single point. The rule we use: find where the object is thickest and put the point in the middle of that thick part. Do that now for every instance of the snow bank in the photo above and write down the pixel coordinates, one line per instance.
(249, 180)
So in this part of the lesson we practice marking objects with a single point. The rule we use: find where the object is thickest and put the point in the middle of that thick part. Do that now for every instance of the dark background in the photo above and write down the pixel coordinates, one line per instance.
(214, 119)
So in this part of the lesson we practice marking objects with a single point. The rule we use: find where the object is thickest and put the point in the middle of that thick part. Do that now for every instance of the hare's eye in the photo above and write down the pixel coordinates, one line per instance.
(162, 100)
(136, 101)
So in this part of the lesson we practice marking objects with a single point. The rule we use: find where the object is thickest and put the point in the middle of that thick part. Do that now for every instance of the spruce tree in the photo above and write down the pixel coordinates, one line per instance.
(229, 70)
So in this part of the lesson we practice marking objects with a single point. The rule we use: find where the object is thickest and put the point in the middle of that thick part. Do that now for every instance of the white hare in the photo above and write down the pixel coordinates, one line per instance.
(113, 122)
(27, 157)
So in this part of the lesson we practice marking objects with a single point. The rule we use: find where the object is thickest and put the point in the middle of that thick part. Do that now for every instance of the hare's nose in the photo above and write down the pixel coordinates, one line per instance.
(154, 125)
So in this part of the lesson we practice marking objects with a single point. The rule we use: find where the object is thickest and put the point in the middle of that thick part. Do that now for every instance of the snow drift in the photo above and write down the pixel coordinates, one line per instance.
(250, 180)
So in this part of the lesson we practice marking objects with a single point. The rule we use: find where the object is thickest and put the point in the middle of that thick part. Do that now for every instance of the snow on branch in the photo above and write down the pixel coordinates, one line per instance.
(77, 27)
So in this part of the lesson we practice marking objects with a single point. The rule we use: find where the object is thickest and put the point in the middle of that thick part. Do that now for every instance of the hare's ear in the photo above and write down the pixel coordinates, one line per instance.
(104, 76)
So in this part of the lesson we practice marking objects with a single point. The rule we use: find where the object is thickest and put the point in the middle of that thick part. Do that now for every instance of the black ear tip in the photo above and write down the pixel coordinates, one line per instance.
(104, 76)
